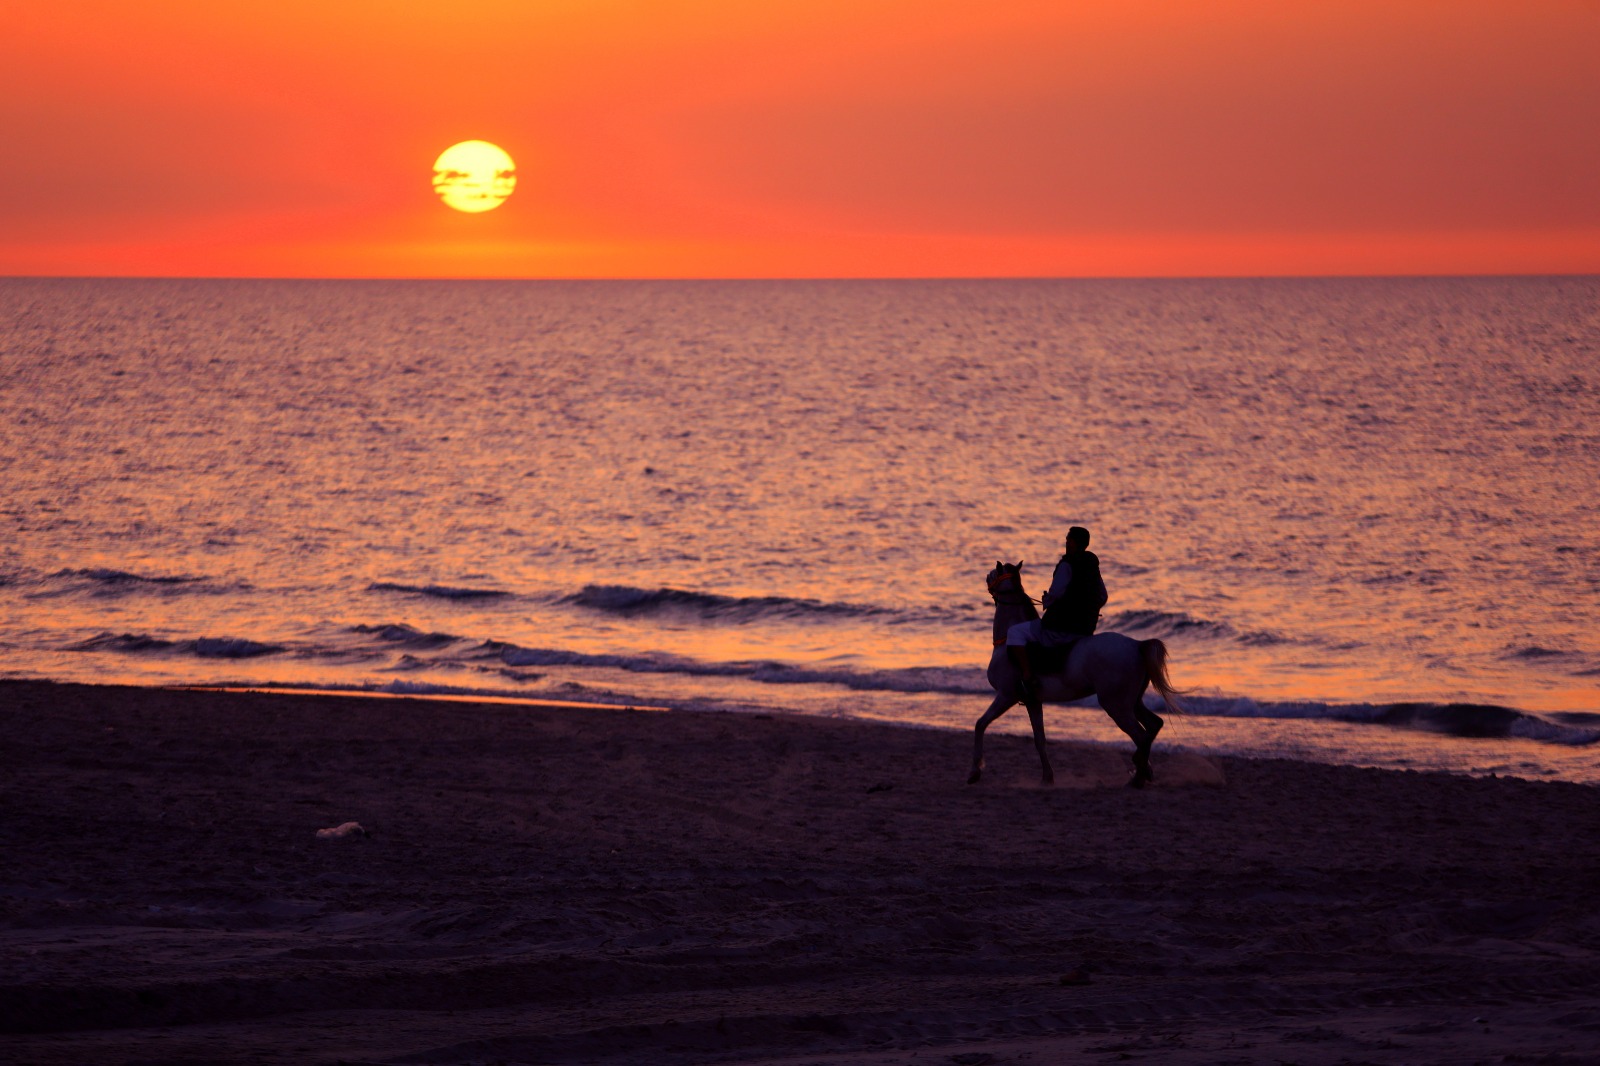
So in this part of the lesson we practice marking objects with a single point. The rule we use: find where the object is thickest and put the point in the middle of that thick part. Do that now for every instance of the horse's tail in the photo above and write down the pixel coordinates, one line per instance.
(1153, 653)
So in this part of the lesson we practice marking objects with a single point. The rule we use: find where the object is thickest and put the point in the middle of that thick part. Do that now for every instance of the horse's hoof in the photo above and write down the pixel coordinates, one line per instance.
(1141, 768)
(1047, 780)
(974, 777)
(1139, 779)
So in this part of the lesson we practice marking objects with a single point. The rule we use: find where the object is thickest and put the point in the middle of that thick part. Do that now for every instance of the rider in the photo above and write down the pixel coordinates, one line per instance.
(1071, 605)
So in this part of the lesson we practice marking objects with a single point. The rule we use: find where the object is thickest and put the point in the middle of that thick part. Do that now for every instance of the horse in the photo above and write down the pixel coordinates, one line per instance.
(1111, 666)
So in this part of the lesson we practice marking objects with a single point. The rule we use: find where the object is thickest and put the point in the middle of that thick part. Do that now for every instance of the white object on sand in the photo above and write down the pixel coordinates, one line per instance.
(340, 832)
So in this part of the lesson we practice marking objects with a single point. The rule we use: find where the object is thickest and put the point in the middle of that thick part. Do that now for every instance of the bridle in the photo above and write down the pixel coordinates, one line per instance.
(1007, 597)
(1016, 594)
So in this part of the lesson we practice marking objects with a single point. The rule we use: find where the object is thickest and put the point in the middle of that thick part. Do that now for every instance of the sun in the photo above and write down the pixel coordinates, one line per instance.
(474, 176)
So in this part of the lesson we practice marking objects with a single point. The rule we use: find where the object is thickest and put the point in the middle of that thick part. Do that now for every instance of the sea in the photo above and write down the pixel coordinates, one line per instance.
(1362, 513)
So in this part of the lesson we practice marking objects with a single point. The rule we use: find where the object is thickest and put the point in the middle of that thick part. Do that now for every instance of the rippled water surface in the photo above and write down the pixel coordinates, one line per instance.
(1327, 496)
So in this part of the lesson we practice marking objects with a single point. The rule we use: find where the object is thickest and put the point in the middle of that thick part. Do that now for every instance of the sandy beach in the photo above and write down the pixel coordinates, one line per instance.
(552, 885)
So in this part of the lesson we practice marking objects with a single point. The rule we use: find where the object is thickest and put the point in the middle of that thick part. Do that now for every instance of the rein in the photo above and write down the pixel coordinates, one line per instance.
(1018, 596)
(1014, 597)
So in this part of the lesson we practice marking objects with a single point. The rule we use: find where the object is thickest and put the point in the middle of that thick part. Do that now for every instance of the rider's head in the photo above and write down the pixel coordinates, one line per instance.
(1077, 539)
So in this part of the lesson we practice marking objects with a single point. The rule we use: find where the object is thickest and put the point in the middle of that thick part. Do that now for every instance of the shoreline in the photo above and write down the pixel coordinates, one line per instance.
(1472, 740)
(549, 885)
(439, 697)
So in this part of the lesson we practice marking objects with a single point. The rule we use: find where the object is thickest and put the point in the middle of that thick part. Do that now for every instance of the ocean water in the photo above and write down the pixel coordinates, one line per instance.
(1362, 513)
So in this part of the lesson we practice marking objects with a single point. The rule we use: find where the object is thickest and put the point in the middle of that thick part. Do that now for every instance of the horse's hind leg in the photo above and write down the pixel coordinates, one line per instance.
(1152, 723)
(1001, 705)
(1142, 774)
(1141, 725)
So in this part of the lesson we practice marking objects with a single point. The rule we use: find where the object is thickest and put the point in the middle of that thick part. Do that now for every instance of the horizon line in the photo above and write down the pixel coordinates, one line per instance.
(809, 277)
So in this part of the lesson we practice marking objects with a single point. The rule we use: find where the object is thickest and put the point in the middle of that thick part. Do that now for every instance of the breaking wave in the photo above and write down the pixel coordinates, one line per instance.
(203, 647)
(1534, 651)
(107, 576)
(126, 642)
(444, 592)
(956, 680)
(626, 600)
(1167, 624)
(397, 647)
(409, 636)
(233, 648)
(1467, 720)
(105, 582)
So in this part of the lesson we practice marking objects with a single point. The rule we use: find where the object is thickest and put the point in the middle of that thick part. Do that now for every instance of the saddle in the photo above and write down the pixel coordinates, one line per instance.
(1050, 659)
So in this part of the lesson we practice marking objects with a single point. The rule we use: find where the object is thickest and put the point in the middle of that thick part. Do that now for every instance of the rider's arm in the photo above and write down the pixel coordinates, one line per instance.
(1058, 583)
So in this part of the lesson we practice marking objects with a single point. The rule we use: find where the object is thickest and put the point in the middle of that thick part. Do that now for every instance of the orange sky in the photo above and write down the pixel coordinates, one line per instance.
(695, 138)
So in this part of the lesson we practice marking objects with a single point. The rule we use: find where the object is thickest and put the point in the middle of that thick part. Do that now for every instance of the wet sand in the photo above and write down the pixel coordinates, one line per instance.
(553, 885)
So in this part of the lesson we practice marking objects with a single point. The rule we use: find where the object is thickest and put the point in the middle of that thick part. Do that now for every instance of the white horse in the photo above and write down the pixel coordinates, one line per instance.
(1108, 665)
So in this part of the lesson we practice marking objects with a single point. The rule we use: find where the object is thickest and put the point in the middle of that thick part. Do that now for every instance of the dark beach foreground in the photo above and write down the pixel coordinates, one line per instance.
(549, 885)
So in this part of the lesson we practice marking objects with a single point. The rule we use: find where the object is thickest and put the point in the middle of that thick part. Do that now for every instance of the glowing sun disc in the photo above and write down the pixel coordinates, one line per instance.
(474, 176)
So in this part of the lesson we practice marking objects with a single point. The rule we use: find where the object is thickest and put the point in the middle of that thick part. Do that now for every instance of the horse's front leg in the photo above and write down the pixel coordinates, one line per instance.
(1000, 706)
(1036, 719)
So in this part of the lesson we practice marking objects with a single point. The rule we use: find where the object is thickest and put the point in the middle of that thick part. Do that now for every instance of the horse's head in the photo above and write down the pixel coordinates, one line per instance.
(1005, 579)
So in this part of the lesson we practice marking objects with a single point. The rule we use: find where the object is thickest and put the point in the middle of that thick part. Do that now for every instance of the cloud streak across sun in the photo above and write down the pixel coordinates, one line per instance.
(474, 176)
(873, 138)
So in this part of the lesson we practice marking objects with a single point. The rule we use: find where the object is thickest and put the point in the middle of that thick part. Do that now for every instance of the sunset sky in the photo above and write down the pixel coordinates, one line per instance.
(793, 138)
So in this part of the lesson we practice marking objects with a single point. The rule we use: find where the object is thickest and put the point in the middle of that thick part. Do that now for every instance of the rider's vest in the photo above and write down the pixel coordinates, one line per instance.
(1077, 610)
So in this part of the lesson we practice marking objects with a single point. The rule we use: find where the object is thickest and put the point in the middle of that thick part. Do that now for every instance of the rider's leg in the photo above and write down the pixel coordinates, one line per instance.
(1018, 637)
(1018, 654)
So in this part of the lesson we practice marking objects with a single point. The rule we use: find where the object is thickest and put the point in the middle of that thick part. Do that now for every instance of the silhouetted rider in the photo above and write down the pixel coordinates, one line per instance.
(1071, 604)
